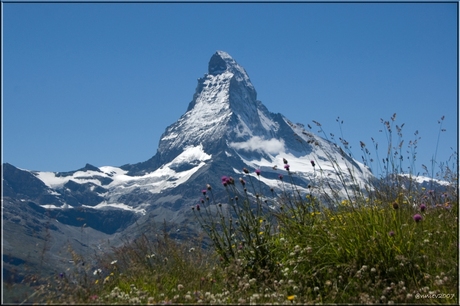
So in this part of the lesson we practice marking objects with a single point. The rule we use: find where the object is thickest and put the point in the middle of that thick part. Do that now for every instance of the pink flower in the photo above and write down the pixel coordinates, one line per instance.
(312, 163)
(258, 172)
(422, 207)
(286, 167)
(280, 177)
(417, 218)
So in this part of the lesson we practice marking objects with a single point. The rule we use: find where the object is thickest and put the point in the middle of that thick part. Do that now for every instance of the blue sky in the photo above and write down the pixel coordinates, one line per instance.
(99, 83)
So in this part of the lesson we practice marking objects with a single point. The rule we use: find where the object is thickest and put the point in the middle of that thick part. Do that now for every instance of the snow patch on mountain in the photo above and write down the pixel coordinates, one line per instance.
(424, 179)
(105, 205)
(257, 143)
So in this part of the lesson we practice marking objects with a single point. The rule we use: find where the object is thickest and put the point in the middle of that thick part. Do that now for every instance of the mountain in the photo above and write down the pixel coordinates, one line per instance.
(224, 129)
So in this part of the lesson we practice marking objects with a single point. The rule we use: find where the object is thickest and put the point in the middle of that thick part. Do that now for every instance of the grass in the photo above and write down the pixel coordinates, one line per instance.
(389, 244)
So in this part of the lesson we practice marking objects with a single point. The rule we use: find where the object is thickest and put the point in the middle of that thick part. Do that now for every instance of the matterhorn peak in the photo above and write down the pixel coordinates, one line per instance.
(222, 61)
(224, 106)
(218, 63)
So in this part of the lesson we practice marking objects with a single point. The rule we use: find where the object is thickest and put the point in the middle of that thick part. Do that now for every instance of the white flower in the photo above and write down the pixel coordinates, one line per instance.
(97, 271)
(114, 262)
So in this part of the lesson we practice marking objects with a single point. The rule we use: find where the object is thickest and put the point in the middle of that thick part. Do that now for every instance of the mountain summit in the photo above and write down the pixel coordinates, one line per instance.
(224, 108)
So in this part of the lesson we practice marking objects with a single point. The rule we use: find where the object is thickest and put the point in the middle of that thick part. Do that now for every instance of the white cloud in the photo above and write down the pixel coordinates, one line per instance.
(256, 143)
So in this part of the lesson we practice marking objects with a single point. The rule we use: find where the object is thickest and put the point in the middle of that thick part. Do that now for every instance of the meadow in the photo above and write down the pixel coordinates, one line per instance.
(393, 242)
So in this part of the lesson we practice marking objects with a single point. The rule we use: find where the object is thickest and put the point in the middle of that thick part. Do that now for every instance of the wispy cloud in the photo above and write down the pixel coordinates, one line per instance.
(258, 144)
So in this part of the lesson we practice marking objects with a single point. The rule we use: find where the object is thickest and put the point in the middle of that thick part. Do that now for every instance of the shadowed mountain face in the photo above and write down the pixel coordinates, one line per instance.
(224, 129)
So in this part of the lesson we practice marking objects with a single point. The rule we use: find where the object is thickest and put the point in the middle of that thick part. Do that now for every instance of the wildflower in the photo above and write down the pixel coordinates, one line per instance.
(231, 181)
(280, 177)
(285, 161)
(391, 233)
(180, 287)
(114, 262)
(61, 275)
(395, 205)
(417, 218)
(191, 250)
(242, 181)
(203, 191)
(97, 271)
(286, 167)
(312, 163)
(422, 207)
(224, 180)
(258, 172)
(291, 297)
(198, 207)
(245, 170)
(208, 186)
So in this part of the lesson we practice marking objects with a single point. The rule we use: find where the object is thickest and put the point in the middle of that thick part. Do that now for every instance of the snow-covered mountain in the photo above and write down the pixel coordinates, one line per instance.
(224, 129)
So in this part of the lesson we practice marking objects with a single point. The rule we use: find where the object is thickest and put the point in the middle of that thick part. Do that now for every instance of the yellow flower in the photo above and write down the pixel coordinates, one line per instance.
(261, 233)
(291, 297)
(97, 281)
